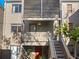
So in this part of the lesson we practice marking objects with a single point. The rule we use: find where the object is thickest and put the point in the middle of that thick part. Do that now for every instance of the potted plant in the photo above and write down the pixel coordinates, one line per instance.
(73, 34)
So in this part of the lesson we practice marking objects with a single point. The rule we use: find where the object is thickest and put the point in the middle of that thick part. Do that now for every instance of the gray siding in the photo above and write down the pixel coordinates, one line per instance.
(33, 9)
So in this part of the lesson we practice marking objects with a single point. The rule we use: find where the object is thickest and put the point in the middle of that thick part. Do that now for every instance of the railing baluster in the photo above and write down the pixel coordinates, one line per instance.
(66, 49)
(52, 47)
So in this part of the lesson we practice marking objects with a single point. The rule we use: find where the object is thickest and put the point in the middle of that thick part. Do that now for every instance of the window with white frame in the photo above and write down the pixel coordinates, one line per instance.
(15, 28)
(16, 8)
(69, 8)
(14, 51)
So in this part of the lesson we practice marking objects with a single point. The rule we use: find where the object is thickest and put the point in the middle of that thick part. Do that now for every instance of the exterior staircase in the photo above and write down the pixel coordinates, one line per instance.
(59, 50)
(56, 48)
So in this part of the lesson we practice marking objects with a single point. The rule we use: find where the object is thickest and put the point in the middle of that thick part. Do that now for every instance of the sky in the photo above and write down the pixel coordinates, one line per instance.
(2, 3)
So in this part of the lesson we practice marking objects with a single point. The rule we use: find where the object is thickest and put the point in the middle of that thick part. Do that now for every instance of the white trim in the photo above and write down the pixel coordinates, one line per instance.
(42, 19)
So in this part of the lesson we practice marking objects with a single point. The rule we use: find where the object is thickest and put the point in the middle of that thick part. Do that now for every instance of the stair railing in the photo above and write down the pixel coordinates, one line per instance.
(66, 49)
(52, 47)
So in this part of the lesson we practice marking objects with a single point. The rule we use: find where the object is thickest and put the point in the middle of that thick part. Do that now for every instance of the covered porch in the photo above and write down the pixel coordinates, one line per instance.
(35, 32)
(36, 52)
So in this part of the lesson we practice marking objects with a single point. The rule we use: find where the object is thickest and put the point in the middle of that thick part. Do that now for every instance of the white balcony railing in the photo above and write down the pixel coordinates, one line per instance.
(35, 38)
(52, 47)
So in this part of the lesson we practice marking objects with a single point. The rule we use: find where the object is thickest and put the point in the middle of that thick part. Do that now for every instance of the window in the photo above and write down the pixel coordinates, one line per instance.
(33, 28)
(14, 51)
(16, 8)
(69, 8)
(70, 26)
(15, 28)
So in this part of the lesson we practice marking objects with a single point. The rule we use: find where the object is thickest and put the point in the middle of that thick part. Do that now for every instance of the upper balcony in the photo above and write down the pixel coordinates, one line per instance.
(35, 32)
(40, 8)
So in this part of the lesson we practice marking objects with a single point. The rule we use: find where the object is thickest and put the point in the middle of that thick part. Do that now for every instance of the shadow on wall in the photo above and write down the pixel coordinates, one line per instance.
(74, 19)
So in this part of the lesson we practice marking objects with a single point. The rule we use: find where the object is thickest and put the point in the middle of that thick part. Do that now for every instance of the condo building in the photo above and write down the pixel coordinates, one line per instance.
(28, 27)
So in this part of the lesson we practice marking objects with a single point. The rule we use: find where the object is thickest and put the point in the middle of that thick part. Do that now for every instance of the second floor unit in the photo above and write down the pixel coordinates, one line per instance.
(12, 16)
(41, 8)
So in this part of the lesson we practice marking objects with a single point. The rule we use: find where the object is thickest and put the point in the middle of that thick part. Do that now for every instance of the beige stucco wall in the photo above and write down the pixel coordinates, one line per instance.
(75, 7)
(10, 18)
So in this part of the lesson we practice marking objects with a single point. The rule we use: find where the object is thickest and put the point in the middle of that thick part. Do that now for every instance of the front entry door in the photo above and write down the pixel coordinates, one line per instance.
(41, 52)
(38, 51)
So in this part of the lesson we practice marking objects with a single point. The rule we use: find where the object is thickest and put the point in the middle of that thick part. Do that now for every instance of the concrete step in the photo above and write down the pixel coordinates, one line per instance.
(57, 46)
(56, 43)
(58, 49)
(59, 52)
(60, 55)
(61, 58)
